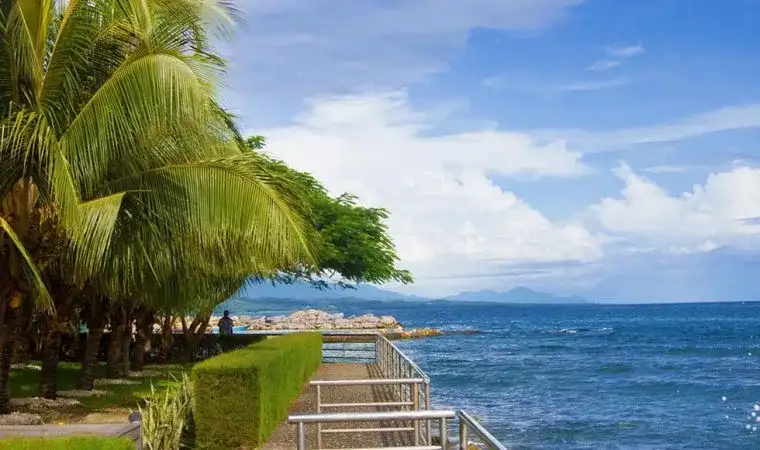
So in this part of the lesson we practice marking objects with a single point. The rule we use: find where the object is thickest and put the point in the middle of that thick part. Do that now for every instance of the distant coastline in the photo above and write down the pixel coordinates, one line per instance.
(300, 292)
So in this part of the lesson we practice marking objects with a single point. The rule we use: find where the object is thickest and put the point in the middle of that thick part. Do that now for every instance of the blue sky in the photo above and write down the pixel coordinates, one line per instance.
(504, 135)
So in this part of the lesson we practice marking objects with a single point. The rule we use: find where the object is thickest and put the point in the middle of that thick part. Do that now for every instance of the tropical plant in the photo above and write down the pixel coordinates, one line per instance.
(166, 414)
(108, 124)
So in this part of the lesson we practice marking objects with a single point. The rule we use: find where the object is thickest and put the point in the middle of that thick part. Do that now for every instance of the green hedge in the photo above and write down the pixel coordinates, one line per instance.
(241, 396)
(66, 443)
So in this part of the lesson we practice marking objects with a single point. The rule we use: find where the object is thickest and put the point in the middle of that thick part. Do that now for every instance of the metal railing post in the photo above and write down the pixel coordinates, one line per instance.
(319, 411)
(301, 442)
(472, 425)
(136, 418)
(428, 425)
(416, 407)
(443, 433)
(462, 435)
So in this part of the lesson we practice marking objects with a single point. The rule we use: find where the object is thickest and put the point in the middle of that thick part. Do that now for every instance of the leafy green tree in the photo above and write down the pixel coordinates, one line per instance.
(355, 246)
(112, 144)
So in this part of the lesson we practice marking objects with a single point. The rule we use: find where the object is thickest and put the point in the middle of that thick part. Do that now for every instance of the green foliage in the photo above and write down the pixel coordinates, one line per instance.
(354, 239)
(241, 396)
(66, 443)
(166, 415)
(108, 116)
(26, 382)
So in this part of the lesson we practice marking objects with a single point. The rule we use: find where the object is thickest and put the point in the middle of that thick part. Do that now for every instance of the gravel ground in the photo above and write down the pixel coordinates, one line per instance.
(163, 367)
(284, 436)
(17, 418)
(145, 374)
(44, 403)
(25, 366)
(108, 381)
(75, 393)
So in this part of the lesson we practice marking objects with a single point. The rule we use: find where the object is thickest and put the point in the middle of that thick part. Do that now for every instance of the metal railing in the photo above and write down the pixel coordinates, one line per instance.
(467, 424)
(441, 417)
(393, 363)
(413, 405)
(410, 390)
(349, 347)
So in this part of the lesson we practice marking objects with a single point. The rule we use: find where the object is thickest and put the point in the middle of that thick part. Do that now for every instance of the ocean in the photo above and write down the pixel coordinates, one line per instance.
(594, 377)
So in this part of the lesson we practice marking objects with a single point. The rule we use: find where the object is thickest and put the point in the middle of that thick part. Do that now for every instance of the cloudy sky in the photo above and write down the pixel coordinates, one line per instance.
(544, 143)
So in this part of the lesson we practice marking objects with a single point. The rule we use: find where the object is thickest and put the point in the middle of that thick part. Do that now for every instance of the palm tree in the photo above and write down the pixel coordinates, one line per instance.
(108, 119)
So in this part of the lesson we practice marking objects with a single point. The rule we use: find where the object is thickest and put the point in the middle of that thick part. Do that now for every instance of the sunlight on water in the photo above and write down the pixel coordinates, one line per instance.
(554, 378)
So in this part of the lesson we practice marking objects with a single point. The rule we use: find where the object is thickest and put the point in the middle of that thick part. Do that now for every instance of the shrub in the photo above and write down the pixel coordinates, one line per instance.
(66, 443)
(166, 415)
(241, 396)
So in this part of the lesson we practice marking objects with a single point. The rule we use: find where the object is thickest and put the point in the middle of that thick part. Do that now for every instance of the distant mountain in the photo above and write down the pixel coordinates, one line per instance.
(303, 291)
(517, 295)
(268, 299)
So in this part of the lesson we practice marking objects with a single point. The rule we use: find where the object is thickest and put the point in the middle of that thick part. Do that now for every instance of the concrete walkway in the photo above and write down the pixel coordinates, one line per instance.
(284, 437)
(128, 430)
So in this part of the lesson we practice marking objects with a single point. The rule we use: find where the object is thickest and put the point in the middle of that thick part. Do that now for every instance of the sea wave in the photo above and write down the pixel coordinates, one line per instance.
(583, 330)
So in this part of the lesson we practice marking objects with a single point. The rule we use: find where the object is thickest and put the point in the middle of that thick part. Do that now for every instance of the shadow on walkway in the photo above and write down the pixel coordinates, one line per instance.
(284, 437)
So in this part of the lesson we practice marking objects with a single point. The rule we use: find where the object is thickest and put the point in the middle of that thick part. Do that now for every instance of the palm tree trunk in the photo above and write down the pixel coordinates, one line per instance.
(142, 339)
(6, 355)
(49, 375)
(95, 325)
(24, 340)
(113, 359)
(57, 324)
(126, 340)
(192, 335)
(167, 339)
(7, 324)
(90, 356)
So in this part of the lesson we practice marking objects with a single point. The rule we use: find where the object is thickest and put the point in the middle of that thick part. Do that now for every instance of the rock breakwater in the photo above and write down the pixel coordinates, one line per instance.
(314, 319)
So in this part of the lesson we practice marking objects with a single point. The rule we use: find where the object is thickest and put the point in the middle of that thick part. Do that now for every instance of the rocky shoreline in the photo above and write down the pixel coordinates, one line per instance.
(314, 319)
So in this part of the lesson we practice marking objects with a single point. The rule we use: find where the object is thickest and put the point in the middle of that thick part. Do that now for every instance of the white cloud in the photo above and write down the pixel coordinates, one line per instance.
(448, 216)
(585, 86)
(724, 119)
(301, 48)
(617, 52)
(625, 51)
(602, 65)
(720, 212)
(522, 83)
(673, 168)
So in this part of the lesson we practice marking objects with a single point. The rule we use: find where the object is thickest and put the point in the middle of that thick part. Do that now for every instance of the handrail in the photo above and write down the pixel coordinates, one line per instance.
(393, 363)
(370, 381)
(372, 416)
(413, 416)
(413, 403)
(467, 423)
(412, 387)
(411, 363)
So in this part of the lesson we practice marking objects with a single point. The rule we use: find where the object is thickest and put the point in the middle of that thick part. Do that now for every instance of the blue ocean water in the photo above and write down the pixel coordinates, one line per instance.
(594, 377)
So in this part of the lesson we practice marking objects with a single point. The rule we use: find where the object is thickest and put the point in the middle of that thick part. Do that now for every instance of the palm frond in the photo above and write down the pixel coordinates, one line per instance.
(41, 294)
(154, 89)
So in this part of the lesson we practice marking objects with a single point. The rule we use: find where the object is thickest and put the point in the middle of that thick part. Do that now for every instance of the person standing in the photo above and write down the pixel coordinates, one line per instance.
(225, 331)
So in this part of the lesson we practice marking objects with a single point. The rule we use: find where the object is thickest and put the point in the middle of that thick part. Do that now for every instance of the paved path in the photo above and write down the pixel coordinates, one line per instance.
(284, 437)
(131, 431)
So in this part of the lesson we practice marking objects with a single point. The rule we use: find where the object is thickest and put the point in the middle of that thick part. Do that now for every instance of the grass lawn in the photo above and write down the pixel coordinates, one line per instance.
(116, 403)
(65, 443)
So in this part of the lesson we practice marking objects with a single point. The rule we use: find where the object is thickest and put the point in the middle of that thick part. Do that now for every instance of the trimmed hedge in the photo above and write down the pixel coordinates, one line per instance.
(241, 396)
(66, 443)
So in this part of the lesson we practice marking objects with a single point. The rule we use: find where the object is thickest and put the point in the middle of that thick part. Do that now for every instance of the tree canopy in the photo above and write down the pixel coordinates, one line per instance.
(126, 190)
(354, 242)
